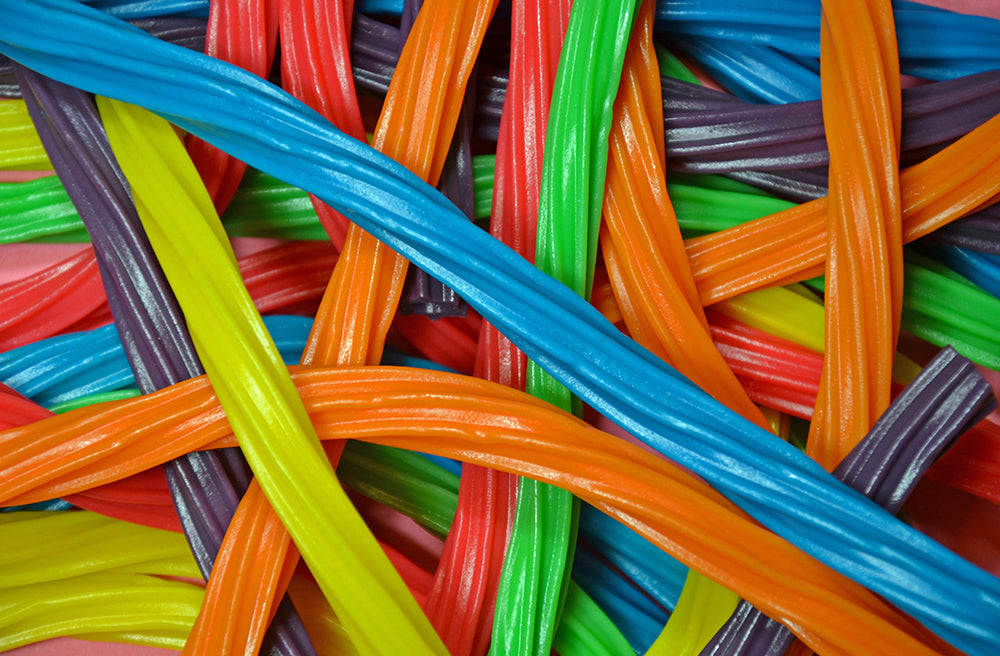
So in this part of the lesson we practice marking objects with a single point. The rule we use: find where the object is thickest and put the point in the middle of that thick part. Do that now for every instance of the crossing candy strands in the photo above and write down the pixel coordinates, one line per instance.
(709, 415)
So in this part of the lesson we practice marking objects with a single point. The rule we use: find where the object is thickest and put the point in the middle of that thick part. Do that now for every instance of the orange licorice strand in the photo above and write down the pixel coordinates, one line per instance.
(641, 239)
(479, 422)
(327, 633)
(361, 297)
(316, 69)
(864, 264)
(245, 33)
(415, 128)
(241, 630)
(788, 246)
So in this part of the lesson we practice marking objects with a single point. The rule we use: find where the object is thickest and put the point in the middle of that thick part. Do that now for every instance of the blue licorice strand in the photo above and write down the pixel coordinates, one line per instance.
(638, 618)
(942, 402)
(981, 268)
(770, 479)
(755, 73)
(78, 364)
(962, 43)
(658, 573)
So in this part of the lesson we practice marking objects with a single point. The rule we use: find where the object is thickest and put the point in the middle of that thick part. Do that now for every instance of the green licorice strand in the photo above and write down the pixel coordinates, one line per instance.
(535, 575)
(945, 309)
(265, 207)
(38, 211)
(702, 210)
(90, 399)
(576, 140)
(671, 66)
(482, 181)
(585, 629)
(713, 181)
(403, 480)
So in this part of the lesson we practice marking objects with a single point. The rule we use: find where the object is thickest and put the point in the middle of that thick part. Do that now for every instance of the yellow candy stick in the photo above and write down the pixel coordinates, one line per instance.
(22, 150)
(257, 394)
(703, 607)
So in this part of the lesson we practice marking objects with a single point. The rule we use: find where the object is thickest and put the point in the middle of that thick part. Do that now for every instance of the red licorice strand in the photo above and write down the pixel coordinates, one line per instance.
(50, 301)
(290, 275)
(775, 372)
(316, 68)
(462, 601)
(242, 32)
(69, 297)
(144, 514)
(16, 410)
(973, 464)
(449, 341)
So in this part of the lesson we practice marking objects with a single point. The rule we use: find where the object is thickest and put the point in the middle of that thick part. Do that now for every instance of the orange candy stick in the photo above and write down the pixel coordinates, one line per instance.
(862, 109)
(480, 422)
(791, 245)
(641, 240)
(361, 297)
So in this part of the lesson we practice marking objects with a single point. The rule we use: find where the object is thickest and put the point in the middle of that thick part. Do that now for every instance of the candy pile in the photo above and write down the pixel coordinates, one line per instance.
(475, 327)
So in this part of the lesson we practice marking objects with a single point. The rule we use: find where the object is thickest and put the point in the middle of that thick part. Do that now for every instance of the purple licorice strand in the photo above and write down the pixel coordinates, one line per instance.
(374, 52)
(945, 400)
(978, 232)
(206, 486)
(798, 186)
(708, 132)
(186, 32)
(74, 139)
(749, 632)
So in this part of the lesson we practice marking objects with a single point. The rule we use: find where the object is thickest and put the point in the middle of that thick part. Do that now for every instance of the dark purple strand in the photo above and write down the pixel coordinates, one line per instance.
(206, 486)
(945, 400)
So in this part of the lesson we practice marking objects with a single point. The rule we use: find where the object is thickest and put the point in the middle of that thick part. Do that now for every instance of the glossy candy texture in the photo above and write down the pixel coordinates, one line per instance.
(563, 334)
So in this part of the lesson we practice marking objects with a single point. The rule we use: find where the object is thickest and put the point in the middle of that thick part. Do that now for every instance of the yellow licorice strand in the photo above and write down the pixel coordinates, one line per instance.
(62, 573)
(253, 386)
(103, 602)
(166, 639)
(781, 312)
(702, 609)
(22, 149)
(50, 546)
